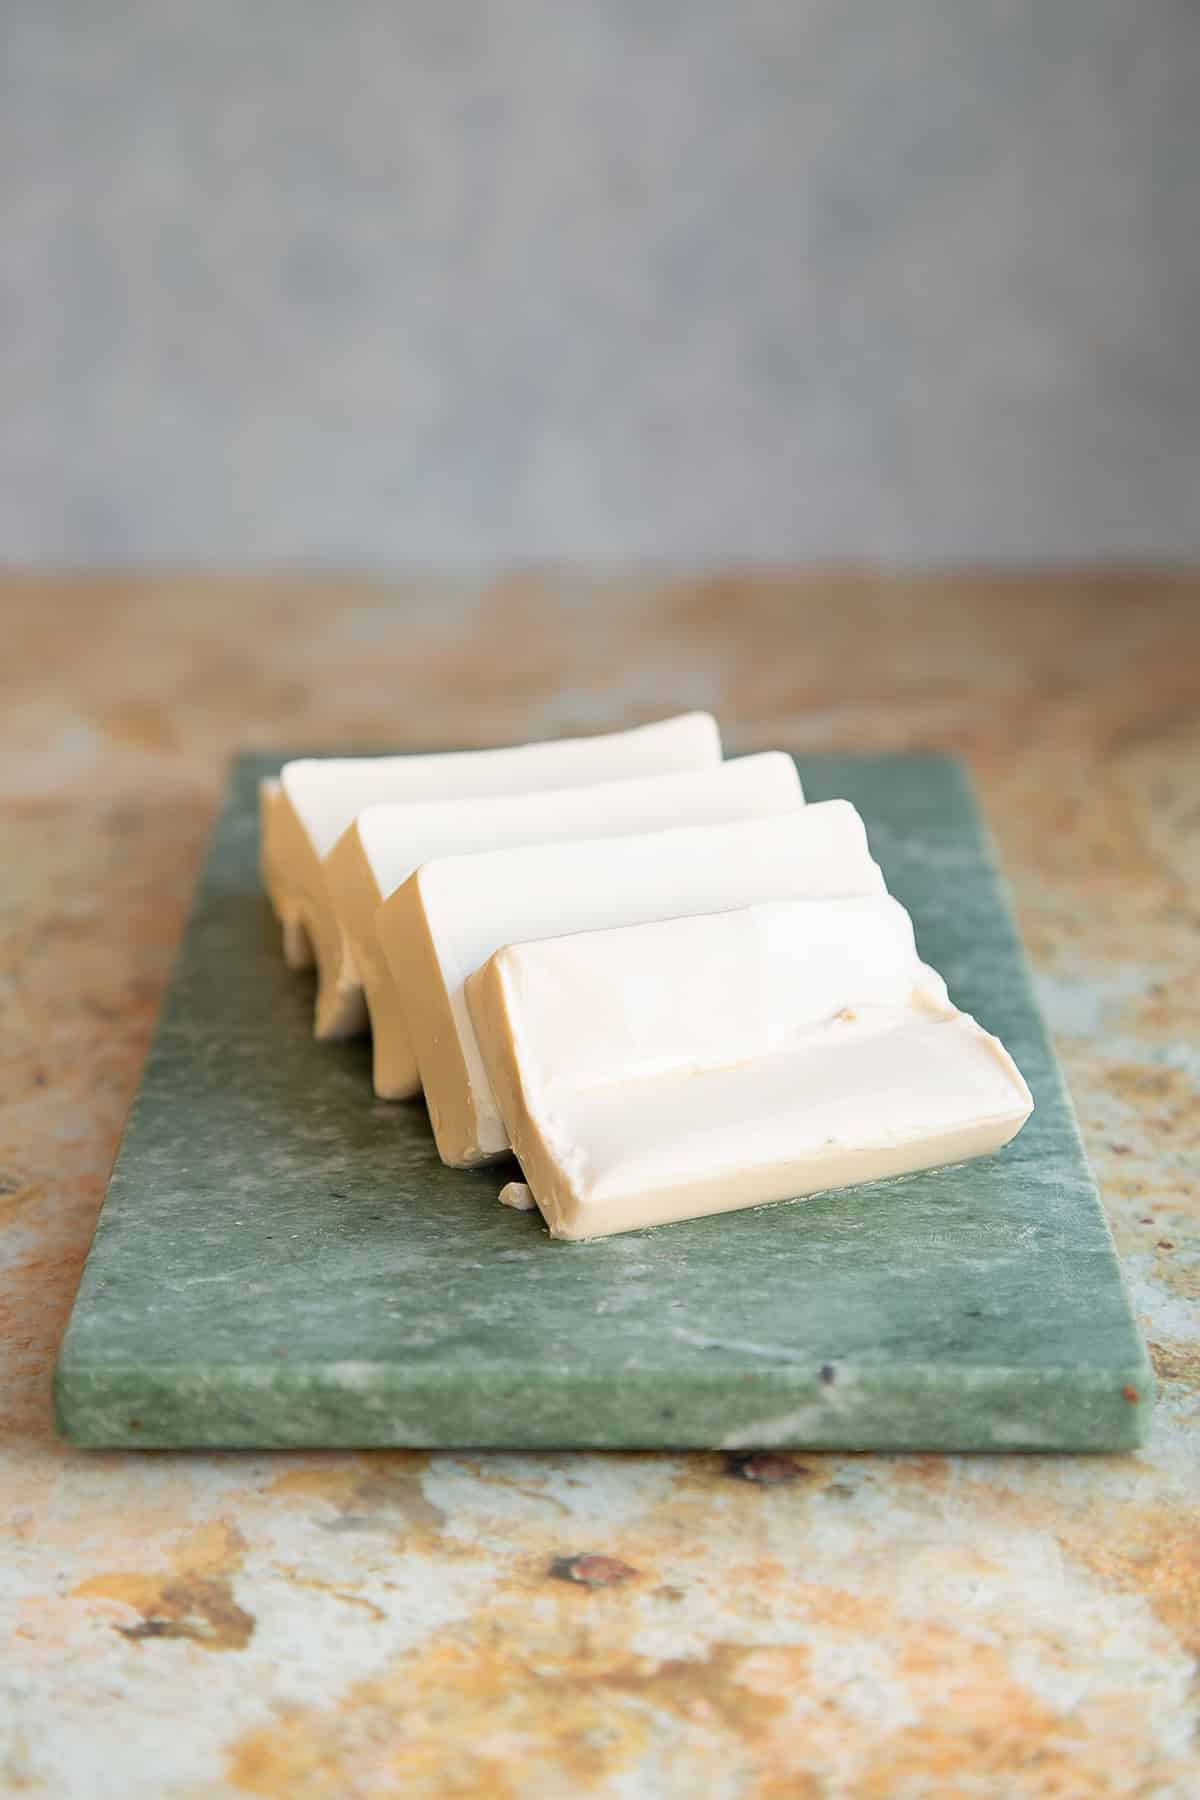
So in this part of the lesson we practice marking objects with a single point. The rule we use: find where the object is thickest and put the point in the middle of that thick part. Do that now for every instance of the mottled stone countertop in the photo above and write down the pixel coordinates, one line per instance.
(312, 1625)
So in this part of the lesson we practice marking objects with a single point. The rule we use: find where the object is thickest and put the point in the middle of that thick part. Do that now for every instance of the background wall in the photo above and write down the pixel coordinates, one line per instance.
(500, 278)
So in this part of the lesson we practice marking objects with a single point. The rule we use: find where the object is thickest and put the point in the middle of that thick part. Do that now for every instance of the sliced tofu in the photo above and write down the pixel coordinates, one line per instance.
(455, 912)
(317, 798)
(385, 844)
(669, 1070)
(297, 948)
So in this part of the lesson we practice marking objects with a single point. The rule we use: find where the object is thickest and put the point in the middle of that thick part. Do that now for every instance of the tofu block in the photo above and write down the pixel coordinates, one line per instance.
(455, 912)
(319, 797)
(387, 843)
(670, 1070)
(297, 947)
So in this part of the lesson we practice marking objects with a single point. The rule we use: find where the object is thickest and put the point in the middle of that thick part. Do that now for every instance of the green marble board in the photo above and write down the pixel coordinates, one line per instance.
(281, 1259)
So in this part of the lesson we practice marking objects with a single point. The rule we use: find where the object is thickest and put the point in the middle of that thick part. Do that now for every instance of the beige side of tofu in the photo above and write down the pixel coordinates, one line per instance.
(666, 1071)
(454, 913)
(387, 843)
(318, 797)
(275, 824)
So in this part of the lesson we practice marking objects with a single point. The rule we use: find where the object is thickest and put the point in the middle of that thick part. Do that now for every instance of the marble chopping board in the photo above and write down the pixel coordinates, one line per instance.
(281, 1260)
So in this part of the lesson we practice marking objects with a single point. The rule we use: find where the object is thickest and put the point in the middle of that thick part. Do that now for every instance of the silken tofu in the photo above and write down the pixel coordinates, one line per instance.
(455, 912)
(667, 1070)
(318, 797)
(386, 843)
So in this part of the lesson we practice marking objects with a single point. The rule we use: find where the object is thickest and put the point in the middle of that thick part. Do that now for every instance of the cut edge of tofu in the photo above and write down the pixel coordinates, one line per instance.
(311, 932)
(355, 897)
(430, 962)
(295, 882)
(554, 1155)
(363, 869)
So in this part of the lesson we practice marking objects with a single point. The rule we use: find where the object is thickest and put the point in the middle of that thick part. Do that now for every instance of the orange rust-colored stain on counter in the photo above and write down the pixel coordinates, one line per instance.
(1177, 1363)
(797, 1653)
(193, 1599)
(1155, 1553)
(979, 1732)
(1156, 1085)
(295, 1579)
(973, 1728)
(15, 1195)
(508, 1691)
(371, 1490)
(1140, 1547)
(139, 724)
(820, 1604)
(489, 1475)
(465, 1719)
(467, 664)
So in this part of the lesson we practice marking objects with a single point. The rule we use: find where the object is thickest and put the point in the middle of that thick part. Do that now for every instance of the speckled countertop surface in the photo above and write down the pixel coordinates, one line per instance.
(315, 1625)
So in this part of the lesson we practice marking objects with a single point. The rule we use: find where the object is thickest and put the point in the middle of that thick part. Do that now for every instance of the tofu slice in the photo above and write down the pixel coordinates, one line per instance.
(319, 796)
(669, 1070)
(387, 843)
(297, 947)
(453, 913)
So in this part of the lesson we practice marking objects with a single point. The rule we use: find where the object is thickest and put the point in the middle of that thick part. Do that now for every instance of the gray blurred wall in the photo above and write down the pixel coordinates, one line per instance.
(365, 283)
